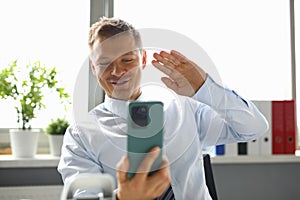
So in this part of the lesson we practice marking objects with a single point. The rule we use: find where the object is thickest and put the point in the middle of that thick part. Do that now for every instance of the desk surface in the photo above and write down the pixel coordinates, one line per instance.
(50, 192)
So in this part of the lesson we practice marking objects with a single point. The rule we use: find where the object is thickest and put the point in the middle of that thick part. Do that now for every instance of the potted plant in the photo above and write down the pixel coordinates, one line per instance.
(56, 130)
(26, 88)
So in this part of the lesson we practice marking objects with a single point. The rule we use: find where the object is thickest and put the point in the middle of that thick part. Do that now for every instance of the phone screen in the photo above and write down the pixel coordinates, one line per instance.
(144, 131)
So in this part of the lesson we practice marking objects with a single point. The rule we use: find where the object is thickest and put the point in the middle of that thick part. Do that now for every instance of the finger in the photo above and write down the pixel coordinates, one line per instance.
(161, 178)
(169, 57)
(145, 166)
(163, 60)
(165, 163)
(172, 73)
(122, 169)
(181, 58)
(162, 68)
(164, 170)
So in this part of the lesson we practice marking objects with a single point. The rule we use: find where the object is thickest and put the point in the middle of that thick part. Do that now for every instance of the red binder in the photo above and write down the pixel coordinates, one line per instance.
(278, 127)
(290, 127)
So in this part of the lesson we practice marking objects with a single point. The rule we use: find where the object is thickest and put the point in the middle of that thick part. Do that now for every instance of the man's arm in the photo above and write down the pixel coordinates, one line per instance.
(75, 159)
(224, 116)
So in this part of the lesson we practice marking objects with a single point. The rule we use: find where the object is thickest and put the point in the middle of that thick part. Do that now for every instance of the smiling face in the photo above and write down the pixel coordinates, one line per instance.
(117, 63)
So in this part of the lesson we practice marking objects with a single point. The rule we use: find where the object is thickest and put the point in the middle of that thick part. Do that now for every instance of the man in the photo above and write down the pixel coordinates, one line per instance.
(206, 114)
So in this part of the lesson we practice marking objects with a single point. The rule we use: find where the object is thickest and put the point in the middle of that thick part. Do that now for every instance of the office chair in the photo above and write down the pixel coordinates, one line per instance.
(100, 187)
(209, 178)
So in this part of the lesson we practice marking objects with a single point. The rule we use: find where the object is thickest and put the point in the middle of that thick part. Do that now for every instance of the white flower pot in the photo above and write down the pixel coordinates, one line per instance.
(55, 142)
(23, 142)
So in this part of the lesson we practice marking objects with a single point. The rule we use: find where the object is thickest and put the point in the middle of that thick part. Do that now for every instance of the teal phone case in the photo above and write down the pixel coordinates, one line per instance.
(144, 131)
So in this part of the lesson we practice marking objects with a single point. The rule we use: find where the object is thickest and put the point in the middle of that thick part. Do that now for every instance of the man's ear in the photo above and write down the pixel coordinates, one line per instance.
(144, 59)
(92, 66)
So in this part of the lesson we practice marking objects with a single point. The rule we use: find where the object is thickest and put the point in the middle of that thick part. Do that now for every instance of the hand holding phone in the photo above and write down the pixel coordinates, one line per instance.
(144, 131)
(141, 186)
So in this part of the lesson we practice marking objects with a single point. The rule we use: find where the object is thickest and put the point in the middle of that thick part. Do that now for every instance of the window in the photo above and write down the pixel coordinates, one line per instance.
(249, 41)
(54, 32)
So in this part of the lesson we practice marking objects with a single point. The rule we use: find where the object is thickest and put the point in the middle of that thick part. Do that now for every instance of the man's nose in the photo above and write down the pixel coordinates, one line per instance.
(117, 70)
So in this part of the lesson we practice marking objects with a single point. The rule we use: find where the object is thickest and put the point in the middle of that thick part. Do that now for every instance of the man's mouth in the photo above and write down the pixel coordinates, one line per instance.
(119, 82)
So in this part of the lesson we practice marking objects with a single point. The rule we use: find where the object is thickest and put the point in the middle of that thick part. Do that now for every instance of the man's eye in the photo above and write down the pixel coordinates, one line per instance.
(127, 60)
(104, 64)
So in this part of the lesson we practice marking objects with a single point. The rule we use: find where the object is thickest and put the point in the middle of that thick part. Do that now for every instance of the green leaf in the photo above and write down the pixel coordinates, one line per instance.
(57, 126)
(28, 86)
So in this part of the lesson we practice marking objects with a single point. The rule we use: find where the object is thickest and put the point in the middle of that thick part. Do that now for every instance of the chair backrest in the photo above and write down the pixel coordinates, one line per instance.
(209, 177)
(89, 186)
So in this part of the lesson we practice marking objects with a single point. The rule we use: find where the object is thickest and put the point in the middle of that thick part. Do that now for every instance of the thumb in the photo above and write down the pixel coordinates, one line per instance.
(169, 83)
(122, 168)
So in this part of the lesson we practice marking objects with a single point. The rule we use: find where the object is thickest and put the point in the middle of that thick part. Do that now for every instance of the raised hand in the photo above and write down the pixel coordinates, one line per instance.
(184, 76)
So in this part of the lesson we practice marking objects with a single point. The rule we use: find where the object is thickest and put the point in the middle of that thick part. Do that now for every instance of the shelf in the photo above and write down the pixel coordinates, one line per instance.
(40, 160)
(255, 159)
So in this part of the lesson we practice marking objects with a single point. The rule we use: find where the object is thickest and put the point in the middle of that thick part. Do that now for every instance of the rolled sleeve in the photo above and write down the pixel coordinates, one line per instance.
(238, 118)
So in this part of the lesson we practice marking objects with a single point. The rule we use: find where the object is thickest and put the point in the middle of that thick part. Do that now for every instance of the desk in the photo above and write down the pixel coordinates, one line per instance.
(47, 192)
(241, 177)
(40, 170)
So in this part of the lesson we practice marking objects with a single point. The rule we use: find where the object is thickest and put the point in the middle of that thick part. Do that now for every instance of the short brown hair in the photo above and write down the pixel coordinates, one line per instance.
(108, 27)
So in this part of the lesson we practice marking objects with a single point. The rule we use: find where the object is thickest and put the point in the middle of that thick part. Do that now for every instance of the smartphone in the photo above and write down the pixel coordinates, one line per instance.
(144, 131)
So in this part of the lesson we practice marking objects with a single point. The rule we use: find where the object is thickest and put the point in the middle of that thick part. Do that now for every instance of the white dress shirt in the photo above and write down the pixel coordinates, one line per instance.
(214, 115)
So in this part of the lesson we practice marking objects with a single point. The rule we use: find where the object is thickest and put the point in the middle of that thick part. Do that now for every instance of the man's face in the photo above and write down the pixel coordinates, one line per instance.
(116, 62)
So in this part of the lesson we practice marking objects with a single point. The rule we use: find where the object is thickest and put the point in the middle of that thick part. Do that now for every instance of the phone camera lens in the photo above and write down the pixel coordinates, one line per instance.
(142, 111)
(140, 115)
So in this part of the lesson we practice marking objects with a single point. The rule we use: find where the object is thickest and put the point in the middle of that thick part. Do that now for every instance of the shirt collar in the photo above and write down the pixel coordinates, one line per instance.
(149, 93)
(119, 107)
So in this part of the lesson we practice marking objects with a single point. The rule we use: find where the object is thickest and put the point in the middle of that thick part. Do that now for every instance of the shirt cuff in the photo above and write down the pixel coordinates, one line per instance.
(215, 95)
(205, 92)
